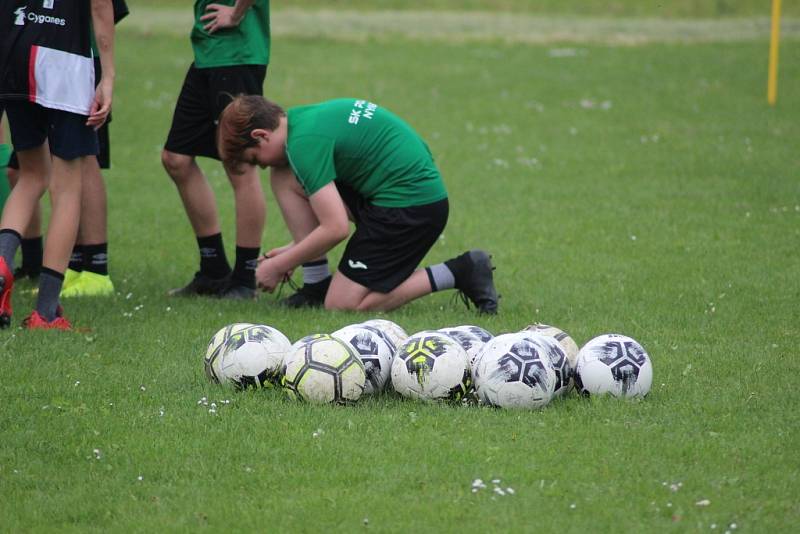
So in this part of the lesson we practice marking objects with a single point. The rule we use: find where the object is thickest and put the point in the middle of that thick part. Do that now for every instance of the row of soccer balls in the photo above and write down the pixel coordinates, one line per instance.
(524, 369)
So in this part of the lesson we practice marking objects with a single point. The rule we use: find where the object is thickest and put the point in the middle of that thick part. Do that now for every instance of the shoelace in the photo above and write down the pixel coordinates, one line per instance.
(287, 281)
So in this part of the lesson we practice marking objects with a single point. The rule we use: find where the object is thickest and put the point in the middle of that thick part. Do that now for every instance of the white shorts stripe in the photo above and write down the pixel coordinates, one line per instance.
(60, 80)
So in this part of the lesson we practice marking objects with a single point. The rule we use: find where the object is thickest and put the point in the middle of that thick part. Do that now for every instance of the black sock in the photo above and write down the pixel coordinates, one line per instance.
(50, 283)
(213, 261)
(244, 272)
(95, 258)
(76, 259)
(458, 266)
(32, 255)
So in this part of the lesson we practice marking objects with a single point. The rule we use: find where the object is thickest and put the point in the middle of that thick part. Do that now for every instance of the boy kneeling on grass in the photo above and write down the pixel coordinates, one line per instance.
(342, 160)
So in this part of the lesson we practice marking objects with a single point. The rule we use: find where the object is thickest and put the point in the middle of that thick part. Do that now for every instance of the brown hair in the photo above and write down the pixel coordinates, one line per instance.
(244, 114)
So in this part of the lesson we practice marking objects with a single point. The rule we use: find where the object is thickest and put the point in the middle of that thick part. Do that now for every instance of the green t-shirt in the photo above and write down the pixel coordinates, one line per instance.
(246, 44)
(366, 147)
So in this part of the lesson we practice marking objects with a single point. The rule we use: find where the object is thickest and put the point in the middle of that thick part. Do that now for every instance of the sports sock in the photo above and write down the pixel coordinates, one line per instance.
(458, 266)
(440, 277)
(315, 271)
(76, 258)
(32, 254)
(95, 258)
(9, 242)
(50, 283)
(244, 271)
(213, 261)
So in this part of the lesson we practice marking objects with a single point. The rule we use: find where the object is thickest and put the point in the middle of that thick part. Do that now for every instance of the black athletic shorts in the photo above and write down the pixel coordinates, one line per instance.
(104, 155)
(67, 133)
(204, 95)
(389, 243)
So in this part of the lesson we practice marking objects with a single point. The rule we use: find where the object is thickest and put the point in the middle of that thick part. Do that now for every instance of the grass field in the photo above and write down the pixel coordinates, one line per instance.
(647, 190)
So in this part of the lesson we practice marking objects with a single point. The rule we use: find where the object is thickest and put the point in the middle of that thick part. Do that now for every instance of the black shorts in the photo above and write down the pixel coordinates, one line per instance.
(67, 133)
(389, 243)
(104, 154)
(204, 95)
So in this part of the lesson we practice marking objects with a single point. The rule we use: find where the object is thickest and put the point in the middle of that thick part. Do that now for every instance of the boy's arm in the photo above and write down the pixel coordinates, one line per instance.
(220, 16)
(334, 227)
(103, 25)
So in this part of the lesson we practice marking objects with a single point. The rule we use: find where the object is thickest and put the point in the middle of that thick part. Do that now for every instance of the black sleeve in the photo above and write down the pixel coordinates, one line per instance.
(120, 10)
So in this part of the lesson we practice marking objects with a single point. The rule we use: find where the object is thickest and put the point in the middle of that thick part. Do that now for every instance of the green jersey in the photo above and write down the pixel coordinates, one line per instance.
(246, 44)
(366, 147)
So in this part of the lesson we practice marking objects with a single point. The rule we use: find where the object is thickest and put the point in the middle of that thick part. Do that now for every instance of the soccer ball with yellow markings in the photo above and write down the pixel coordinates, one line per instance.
(431, 365)
(324, 370)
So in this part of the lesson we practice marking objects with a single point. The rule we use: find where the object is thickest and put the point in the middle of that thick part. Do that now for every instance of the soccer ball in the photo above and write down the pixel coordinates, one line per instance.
(615, 364)
(391, 331)
(515, 371)
(211, 360)
(561, 365)
(253, 357)
(375, 351)
(323, 370)
(471, 338)
(564, 339)
(431, 365)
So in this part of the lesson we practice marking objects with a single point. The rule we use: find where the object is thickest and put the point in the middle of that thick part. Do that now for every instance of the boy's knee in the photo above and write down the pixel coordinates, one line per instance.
(176, 165)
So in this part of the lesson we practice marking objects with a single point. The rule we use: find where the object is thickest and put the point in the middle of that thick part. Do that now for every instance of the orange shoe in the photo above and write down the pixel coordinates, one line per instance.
(6, 285)
(36, 322)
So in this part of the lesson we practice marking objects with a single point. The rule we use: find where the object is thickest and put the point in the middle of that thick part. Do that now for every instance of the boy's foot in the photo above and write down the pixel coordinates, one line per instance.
(201, 284)
(89, 284)
(234, 291)
(6, 285)
(70, 277)
(308, 296)
(36, 322)
(476, 281)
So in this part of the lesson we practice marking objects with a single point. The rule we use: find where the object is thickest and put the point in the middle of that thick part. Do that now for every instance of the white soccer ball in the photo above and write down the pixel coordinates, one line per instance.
(471, 338)
(392, 331)
(564, 339)
(375, 351)
(324, 370)
(515, 371)
(615, 364)
(431, 365)
(211, 360)
(253, 357)
(555, 351)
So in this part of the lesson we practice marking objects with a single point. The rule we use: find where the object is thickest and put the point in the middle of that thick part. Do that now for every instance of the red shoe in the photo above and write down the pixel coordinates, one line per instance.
(6, 285)
(36, 322)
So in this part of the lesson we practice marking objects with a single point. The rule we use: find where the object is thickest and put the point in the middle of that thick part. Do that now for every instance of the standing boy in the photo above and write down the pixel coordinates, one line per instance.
(351, 158)
(231, 46)
(48, 88)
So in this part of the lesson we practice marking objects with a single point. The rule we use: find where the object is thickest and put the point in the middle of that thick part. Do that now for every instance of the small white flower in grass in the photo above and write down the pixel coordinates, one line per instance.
(140, 478)
(97, 454)
(169, 308)
(317, 433)
(248, 469)
(669, 505)
(674, 487)
(128, 296)
(633, 238)
(474, 490)
(77, 383)
(572, 506)
(702, 502)
(161, 412)
(734, 526)
(477, 484)
(499, 491)
(606, 104)
(212, 411)
(214, 405)
(142, 388)
(510, 491)
(366, 521)
(713, 526)
(495, 481)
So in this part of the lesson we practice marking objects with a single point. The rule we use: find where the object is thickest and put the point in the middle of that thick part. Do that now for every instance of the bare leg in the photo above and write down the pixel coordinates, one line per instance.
(29, 188)
(292, 200)
(251, 208)
(93, 228)
(65, 192)
(34, 228)
(345, 294)
(195, 191)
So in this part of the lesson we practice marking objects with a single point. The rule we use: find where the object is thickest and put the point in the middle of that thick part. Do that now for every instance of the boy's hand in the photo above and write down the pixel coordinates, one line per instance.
(219, 17)
(101, 105)
(269, 275)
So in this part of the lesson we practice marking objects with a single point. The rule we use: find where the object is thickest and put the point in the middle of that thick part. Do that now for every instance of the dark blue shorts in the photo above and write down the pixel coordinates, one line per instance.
(67, 133)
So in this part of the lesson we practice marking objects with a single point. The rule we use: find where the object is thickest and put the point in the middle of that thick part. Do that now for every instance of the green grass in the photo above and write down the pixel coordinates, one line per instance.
(644, 190)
